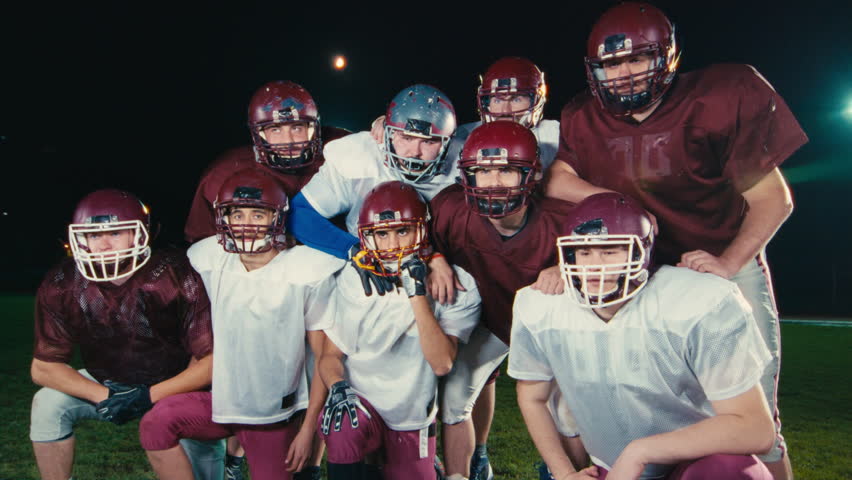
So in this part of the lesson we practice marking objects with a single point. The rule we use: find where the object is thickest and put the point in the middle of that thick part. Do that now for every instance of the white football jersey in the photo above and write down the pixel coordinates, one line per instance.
(259, 324)
(384, 361)
(546, 132)
(687, 339)
(354, 165)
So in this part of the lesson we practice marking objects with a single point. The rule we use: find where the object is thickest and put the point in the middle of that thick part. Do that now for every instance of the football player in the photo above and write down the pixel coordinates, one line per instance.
(382, 364)
(493, 226)
(699, 150)
(141, 320)
(266, 299)
(287, 141)
(662, 369)
(420, 122)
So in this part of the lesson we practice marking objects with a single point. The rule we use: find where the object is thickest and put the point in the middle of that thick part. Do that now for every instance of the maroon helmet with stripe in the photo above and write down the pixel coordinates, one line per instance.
(622, 33)
(500, 145)
(284, 103)
(391, 206)
(109, 212)
(241, 233)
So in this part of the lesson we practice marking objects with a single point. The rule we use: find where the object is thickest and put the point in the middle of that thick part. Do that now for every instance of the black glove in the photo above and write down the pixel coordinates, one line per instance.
(413, 277)
(341, 398)
(367, 271)
(125, 402)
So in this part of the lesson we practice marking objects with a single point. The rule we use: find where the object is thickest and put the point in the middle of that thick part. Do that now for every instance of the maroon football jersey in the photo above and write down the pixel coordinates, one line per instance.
(718, 132)
(143, 331)
(201, 221)
(500, 266)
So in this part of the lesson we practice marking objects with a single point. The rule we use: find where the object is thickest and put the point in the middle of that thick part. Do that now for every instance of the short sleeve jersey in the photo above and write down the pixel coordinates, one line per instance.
(717, 133)
(353, 166)
(260, 319)
(546, 132)
(201, 220)
(143, 331)
(500, 265)
(384, 360)
(684, 341)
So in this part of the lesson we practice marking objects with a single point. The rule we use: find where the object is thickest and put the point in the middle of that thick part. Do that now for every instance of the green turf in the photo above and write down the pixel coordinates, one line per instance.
(816, 395)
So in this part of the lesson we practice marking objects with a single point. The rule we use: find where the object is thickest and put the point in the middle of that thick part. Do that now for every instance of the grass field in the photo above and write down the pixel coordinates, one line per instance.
(816, 402)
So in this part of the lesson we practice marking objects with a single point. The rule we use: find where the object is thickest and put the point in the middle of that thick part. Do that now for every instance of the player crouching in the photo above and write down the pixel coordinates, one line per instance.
(382, 362)
(661, 370)
(266, 299)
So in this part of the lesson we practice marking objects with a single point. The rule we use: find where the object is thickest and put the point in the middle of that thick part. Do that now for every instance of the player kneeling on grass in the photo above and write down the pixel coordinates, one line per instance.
(266, 299)
(382, 361)
(141, 320)
(662, 370)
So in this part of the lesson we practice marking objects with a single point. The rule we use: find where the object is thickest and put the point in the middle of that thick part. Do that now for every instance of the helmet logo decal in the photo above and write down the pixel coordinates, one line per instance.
(387, 215)
(592, 227)
(492, 156)
(504, 84)
(421, 127)
(102, 219)
(615, 45)
(251, 193)
(288, 110)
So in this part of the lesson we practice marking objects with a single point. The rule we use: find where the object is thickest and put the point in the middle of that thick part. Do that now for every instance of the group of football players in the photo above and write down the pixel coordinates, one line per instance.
(359, 287)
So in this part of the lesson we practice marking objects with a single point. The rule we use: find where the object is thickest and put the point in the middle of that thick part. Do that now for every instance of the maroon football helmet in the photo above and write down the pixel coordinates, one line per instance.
(612, 222)
(240, 233)
(284, 103)
(623, 32)
(125, 220)
(513, 76)
(392, 205)
(500, 145)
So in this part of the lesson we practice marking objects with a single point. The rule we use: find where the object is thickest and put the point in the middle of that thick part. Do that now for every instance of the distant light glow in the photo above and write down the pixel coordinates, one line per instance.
(339, 62)
(848, 112)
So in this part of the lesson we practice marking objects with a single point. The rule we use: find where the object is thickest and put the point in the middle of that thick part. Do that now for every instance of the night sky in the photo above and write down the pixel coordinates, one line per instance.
(143, 98)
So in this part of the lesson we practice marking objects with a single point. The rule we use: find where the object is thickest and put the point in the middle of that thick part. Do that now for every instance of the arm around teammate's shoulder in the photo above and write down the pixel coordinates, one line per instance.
(562, 182)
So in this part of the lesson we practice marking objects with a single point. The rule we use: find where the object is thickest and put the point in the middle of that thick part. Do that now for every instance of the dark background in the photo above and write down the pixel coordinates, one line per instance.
(142, 98)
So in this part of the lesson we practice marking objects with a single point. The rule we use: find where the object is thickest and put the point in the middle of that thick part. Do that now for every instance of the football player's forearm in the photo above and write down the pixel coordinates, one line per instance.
(769, 205)
(318, 394)
(438, 348)
(532, 400)
(563, 183)
(61, 377)
(330, 369)
(196, 376)
(746, 430)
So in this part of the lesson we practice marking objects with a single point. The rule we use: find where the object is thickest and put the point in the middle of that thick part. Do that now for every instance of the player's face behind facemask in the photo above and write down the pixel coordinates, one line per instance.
(111, 251)
(415, 156)
(288, 145)
(393, 244)
(602, 270)
(108, 235)
(250, 228)
(496, 189)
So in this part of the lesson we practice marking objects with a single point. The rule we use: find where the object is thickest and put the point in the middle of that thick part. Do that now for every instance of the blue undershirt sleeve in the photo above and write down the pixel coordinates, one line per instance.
(316, 231)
